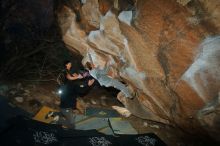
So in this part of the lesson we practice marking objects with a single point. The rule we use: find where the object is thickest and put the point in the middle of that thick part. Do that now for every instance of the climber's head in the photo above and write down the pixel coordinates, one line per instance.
(67, 64)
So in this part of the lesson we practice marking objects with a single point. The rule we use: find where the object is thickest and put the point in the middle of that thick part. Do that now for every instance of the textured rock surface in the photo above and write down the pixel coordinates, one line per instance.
(183, 2)
(209, 117)
(91, 13)
(73, 35)
(212, 9)
(160, 54)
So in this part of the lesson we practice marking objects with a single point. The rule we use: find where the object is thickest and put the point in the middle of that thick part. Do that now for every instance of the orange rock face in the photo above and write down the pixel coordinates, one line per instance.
(161, 55)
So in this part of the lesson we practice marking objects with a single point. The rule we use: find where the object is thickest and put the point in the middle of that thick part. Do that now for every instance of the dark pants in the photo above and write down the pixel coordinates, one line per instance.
(68, 96)
(70, 91)
(80, 87)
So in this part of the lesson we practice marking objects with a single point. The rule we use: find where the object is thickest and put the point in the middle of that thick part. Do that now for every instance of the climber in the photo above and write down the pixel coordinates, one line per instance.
(104, 80)
(68, 96)
(75, 85)
(65, 116)
(70, 72)
(82, 80)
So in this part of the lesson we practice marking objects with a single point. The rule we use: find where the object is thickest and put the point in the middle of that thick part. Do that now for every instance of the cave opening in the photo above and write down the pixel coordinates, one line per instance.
(165, 53)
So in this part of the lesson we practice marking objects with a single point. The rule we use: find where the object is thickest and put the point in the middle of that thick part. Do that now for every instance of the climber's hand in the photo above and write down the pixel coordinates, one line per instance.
(90, 82)
(80, 76)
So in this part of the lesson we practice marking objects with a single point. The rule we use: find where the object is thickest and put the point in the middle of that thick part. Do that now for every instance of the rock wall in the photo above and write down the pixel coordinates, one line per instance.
(209, 117)
(159, 48)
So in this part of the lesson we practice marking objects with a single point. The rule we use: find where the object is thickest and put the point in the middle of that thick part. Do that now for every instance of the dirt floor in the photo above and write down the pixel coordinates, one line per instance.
(31, 96)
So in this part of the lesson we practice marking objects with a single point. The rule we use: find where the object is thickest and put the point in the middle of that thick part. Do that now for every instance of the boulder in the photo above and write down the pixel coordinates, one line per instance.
(73, 35)
(171, 62)
(126, 17)
(122, 111)
(91, 13)
(209, 117)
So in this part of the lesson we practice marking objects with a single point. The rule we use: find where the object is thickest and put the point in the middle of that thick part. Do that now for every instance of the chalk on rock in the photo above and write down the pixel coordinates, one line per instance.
(126, 17)
(83, 1)
(183, 2)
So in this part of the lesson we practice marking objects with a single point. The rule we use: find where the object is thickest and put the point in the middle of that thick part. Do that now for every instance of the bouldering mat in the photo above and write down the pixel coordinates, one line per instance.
(42, 114)
(120, 126)
(101, 112)
(90, 122)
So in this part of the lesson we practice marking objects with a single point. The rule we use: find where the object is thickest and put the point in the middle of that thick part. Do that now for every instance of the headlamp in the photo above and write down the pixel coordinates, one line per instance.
(60, 91)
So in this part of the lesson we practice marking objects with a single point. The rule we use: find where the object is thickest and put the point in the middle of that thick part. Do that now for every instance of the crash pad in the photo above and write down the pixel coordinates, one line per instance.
(101, 112)
(90, 122)
(120, 126)
(41, 115)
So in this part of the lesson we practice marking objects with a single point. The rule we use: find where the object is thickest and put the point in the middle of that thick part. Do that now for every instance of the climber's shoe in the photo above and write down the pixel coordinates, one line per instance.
(50, 114)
